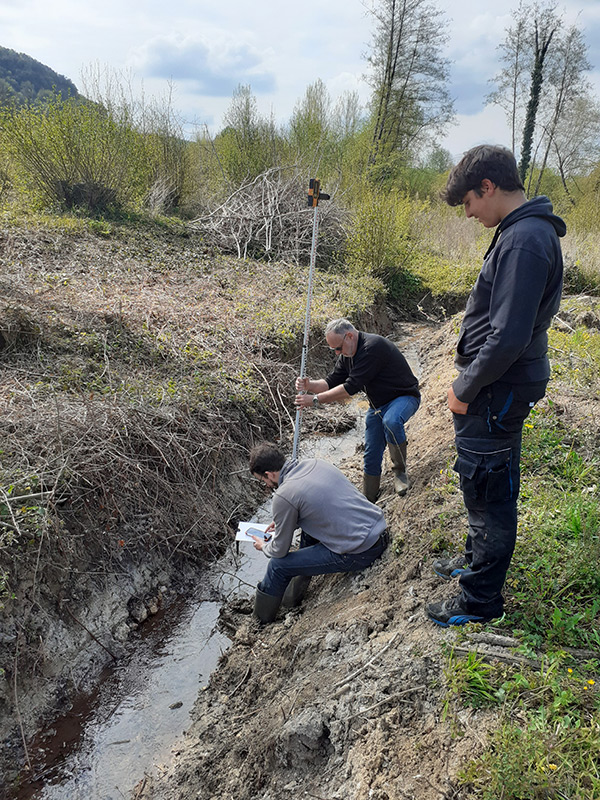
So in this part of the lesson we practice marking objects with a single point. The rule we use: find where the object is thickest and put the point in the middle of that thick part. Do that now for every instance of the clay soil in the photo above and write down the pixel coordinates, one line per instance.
(346, 697)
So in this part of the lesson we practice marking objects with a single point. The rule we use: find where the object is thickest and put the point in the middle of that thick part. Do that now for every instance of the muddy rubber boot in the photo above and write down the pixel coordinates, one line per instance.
(296, 589)
(371, 485)
(266, 606)
(398, 456)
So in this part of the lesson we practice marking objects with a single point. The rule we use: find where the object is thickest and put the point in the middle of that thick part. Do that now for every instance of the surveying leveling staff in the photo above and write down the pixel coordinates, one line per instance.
(374, 365)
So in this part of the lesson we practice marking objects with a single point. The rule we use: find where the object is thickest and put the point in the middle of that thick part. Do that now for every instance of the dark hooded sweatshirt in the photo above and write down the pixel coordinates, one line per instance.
(504, 331)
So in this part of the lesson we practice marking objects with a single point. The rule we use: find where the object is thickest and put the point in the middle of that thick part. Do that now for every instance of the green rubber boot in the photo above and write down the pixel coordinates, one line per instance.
(295, 591)
(398, 456)
(266, 606)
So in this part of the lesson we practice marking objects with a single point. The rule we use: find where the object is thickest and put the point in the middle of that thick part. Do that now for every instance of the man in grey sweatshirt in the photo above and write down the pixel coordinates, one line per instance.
(502, 359)
(341, 531)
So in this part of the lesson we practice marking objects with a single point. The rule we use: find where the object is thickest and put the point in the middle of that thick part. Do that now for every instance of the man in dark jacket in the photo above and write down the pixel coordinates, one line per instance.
(503, 370)
(372, 364)
(341, 531)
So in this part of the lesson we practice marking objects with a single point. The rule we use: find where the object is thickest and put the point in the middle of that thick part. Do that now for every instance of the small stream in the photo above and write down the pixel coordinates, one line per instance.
(130, 724)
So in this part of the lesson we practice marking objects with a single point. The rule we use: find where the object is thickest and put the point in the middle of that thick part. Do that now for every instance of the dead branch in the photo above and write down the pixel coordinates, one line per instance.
(268, 218)
(353, 675)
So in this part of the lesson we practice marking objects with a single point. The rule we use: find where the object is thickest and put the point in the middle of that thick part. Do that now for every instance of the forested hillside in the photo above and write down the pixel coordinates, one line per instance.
(25, 80)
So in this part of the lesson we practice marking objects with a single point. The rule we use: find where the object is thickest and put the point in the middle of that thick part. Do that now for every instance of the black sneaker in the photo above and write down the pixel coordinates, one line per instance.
(452, 612)
(448, 568)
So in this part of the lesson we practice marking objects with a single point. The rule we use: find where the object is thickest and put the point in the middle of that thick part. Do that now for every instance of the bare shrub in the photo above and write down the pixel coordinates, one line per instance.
(73, 152)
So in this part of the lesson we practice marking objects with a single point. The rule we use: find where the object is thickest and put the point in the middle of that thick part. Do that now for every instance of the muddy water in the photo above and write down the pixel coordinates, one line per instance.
(129, 726)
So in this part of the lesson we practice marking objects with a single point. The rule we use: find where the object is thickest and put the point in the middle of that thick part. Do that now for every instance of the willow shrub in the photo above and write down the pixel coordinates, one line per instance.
(77, 153)
(380, 242)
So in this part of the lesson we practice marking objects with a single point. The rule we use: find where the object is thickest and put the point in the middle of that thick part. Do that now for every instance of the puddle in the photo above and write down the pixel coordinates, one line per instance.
(128, 727)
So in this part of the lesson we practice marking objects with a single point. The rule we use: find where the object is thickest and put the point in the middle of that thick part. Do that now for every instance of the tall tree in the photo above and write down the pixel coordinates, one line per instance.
(310, 124)
(576, 142)
(347, 115)
(554, 60)
(566, 83)
(545, 26)
(409, 77)
(248, 144)
(511, 81)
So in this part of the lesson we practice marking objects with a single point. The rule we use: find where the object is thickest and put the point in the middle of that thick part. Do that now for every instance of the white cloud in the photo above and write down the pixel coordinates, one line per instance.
(207, 48)
(211, 66)
(486, 127)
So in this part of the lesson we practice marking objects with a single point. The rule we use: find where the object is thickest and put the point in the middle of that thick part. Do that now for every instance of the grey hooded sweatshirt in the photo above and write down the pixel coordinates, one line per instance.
(504, 331)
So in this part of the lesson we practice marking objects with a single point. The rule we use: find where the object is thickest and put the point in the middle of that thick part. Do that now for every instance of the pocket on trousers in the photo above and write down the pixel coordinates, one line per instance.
(485, 475)
(499, 484)
(467, 465)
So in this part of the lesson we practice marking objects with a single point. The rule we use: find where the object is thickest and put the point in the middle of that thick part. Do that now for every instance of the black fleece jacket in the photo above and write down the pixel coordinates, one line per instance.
(504, 331)
(378, 368)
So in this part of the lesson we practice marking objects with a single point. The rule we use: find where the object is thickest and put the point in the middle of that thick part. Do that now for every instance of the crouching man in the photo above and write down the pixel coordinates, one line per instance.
(341, 530)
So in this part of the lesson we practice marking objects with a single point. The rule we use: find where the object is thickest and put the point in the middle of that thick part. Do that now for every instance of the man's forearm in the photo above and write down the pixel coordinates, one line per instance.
(336, 395)
(320, 385)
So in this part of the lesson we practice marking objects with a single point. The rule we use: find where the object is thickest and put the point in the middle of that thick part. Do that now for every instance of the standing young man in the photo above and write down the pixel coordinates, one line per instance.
(372, 364)
(503, 370)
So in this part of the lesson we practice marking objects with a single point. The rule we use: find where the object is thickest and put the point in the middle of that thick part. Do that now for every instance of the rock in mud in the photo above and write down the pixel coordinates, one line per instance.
(137, 610)
(304, 738)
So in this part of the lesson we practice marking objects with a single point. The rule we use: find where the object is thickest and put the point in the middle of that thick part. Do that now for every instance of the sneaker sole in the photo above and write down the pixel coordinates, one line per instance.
(461, 619)
(454, 574)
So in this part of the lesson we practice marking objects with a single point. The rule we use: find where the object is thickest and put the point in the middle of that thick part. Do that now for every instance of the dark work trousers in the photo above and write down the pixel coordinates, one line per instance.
(313, 558)
(488, 445)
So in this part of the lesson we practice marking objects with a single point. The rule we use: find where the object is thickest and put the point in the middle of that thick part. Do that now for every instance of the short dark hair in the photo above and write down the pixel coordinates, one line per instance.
(494, 162)
(266, 457)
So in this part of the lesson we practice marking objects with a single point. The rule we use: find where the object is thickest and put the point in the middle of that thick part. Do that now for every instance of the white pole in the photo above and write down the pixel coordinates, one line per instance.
(313, 257)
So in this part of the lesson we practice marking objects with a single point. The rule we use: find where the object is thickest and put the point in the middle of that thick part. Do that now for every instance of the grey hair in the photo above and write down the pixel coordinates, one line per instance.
(340, 327)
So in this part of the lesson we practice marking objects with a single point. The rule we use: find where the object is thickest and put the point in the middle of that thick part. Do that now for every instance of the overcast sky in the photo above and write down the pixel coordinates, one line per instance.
(205, 49)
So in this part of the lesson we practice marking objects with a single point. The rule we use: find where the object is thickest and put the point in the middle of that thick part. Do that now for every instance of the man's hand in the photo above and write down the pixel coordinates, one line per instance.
(258, 542)
(302, 384)
(303, 400)
(454, 404)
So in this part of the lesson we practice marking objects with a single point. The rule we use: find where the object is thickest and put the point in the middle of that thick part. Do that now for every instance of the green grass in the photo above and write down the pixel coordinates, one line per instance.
(548, 745)
(554, 581)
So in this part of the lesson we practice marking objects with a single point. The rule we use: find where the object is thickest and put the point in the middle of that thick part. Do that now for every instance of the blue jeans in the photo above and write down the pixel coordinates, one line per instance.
(313, 558)
(488, 445)
(386, 424)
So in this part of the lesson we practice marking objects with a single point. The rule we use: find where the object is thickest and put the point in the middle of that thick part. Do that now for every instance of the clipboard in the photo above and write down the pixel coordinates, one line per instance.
(246, 530)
